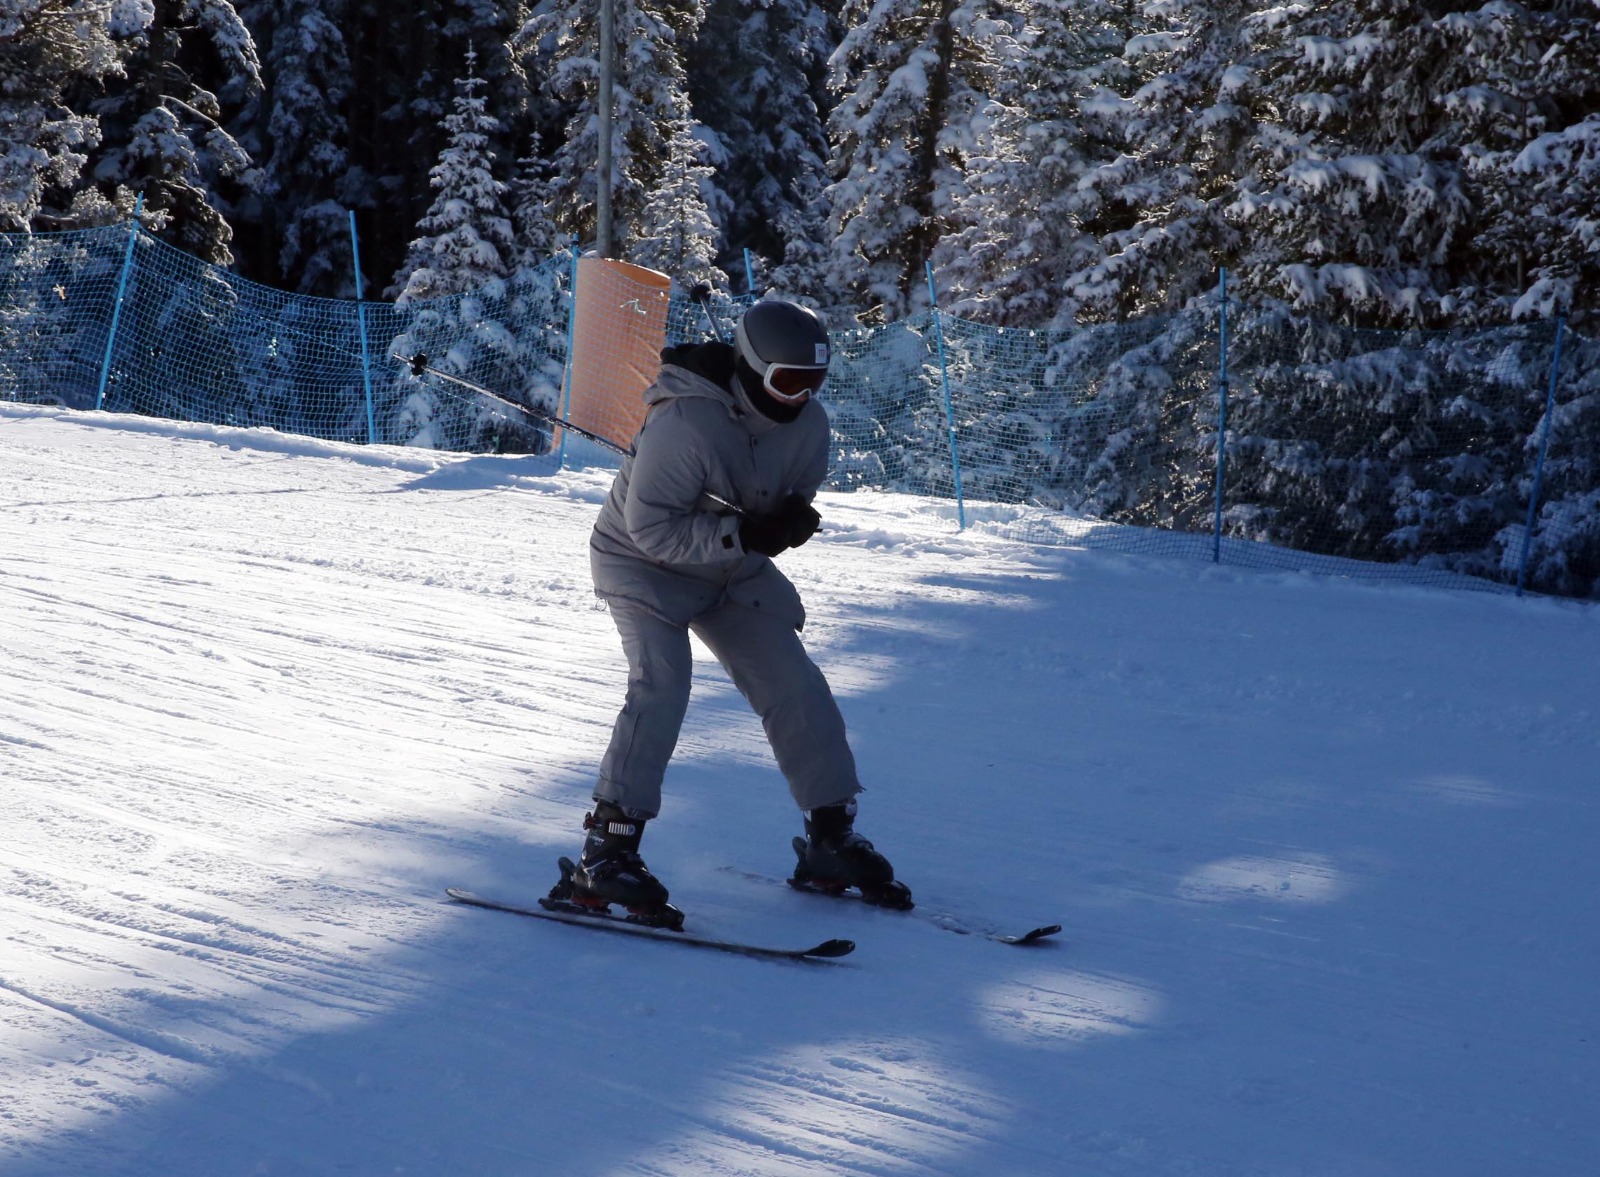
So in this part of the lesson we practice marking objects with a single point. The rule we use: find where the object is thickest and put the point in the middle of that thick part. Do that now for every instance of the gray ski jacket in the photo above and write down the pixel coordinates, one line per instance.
(660, 543)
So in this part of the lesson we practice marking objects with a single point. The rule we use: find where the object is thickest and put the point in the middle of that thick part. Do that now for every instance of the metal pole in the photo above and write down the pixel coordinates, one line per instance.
(949, 407)
(1222, 422)
(572, 328)
(702, 294)
(361, 318)
(749, 275)
(602, 200)
(1538, 466)
(116, 307)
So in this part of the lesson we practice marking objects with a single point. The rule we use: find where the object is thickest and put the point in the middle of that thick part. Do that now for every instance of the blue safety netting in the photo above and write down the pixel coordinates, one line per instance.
(57, 295)
(1280, 442)
(194, 342)
(1376, 453)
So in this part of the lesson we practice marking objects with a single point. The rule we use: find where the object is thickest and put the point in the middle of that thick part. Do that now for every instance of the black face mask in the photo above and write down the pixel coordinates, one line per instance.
(763, 401)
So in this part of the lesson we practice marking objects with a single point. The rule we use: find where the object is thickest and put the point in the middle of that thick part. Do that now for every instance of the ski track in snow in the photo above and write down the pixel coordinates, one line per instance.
(1323, 850)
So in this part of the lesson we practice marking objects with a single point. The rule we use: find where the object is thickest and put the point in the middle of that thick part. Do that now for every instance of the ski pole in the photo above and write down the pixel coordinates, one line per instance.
(702, 295)
(419, 364)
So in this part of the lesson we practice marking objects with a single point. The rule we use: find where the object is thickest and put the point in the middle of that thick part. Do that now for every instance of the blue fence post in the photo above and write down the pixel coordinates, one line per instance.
(749, 275)
(116, 307)
(949, 407)
(566, 377)
(1538, 466)
(1222, 420)
(361, 318)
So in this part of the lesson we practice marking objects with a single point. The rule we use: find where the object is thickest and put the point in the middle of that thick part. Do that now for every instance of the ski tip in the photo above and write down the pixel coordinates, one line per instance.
(460, 894)
(1033, 937)
(832, 948)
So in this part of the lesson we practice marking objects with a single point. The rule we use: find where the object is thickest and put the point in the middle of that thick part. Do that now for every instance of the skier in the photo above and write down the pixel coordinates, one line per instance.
(721, 480)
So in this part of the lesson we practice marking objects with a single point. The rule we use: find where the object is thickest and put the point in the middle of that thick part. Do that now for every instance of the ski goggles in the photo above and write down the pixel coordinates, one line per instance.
(791, 383)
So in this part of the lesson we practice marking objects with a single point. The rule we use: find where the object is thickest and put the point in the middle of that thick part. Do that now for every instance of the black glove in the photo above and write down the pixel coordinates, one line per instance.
(767, 534)
(801, 517)
(789, 526)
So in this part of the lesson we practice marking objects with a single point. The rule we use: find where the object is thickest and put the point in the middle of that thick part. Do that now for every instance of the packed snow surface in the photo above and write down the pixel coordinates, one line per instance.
(1325, 853)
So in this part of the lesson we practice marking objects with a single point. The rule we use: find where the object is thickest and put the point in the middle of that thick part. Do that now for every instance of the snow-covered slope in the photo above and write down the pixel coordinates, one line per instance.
(1325, 852)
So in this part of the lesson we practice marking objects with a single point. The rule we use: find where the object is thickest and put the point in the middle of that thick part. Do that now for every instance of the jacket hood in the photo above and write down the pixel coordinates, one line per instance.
(713, 360)
(695, 370)
(707, 370)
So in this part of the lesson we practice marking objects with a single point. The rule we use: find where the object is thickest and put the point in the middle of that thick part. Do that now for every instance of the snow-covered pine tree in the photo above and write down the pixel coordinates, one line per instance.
(1135, 404)
(56, 293)
(755, 72)
(466, 240)
(51, 52)
(464, 250)
(404, 59)
(1022, 222)
(1558, 173)
(1112, 420)
(1182, 133)
(656, 143)
(538, 309)
(1380, 187)
(301, 140)
(912, 79)
(1381, 445)
(538, 237)
(1557, 176)
(1540, 178)
(163, 124)
(675, 234)
(1564, 554)
(489, 25)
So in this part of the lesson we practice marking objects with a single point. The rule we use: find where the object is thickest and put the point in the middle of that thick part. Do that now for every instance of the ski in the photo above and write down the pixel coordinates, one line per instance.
(939, 919)
(561, 912)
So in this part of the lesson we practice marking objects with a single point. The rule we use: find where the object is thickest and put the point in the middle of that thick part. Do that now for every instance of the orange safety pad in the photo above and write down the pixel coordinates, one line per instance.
(617, 336)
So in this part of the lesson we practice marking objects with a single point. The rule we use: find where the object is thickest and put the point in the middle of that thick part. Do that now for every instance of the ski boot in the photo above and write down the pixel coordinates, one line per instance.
(611, 871)
(833, 858)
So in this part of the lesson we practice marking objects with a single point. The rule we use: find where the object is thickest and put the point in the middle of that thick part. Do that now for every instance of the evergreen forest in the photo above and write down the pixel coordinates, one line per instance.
(1058, 162)
(1404, 197)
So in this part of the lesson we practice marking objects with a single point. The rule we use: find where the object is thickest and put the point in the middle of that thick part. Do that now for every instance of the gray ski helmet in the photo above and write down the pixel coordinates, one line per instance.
(786, 345)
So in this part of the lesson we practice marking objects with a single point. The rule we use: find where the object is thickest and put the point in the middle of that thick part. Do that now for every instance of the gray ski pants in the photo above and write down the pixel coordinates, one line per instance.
(764, 657)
